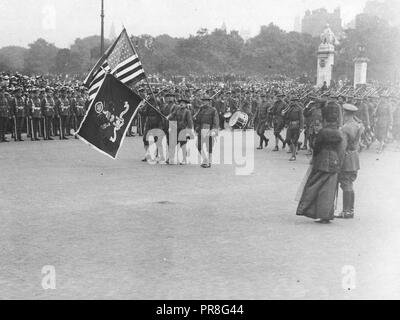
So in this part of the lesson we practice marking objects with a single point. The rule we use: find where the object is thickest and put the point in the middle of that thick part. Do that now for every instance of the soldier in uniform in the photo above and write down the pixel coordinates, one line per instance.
(152, 120)
(206, 124)
(295, 123)
(260, 120)
(314, 112)
(183, 117)
(4, 115)
(34, 113)
(19, 113)
(363, 117)
(166, 110)
(63, 112)
(246, 107)
(219, 104)
(307, 124)
(278, 120)
(48, 112)
(79, 111)
(352, 131)
(384, 121)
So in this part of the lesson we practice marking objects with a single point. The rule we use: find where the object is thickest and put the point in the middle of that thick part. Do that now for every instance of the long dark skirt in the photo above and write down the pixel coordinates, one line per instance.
(318, 198)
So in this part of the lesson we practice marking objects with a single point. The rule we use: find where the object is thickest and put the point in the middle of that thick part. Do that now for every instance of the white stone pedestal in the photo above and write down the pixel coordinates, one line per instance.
(326, 60)
(360, 71)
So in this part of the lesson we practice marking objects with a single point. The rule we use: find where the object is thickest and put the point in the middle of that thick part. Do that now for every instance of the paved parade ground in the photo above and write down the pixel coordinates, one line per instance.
(125, 229)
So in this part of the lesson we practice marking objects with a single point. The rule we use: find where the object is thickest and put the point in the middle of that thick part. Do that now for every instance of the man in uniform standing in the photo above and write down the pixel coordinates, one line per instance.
(48, 112)
(207, 123)
(63, 112)
(352, 131)
(295, 122)
(34, 113)
(4, 115)
(19, 113)
(79, 110)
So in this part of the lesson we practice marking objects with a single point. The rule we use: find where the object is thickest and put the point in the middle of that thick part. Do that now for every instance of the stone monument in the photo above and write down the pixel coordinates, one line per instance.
(326, 57)
(360, 67)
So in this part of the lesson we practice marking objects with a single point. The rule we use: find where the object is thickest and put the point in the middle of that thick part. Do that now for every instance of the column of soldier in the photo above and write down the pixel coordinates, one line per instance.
(48, 111)
(277, 106)
(39, 110)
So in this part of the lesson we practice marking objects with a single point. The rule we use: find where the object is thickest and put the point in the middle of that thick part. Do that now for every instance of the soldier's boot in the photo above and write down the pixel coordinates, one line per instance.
(284, 142)
(350, 214)
(305, 148)
(346, 205)
(146, 154)
(266, 140)
(299, 144)
(293, 150)
(276, 144)
(290, 147)
(261, 144)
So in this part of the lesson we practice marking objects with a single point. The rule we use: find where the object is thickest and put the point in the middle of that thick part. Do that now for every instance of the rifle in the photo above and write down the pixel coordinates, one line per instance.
(44, 129)
(15, 128)
(61, 129)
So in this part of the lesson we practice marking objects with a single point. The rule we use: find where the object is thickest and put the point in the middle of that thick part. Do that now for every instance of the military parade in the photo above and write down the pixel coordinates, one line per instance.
(206, 166)
(46, 110)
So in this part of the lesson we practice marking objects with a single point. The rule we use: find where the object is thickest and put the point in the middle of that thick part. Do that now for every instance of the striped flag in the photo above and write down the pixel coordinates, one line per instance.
(121, 60)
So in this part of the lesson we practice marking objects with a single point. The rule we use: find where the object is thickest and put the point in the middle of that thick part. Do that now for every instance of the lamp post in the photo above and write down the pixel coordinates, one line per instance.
(102, 28)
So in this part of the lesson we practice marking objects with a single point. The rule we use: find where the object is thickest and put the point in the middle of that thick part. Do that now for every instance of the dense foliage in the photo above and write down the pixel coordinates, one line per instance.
(272, 51)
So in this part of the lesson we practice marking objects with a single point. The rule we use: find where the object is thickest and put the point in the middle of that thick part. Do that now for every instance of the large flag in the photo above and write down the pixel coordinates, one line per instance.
(109, 116)
(121, 60)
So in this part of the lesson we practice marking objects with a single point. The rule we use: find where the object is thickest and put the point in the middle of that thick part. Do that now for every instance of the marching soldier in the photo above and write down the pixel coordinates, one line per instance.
(260, 119)
(246, 108)
(307, 124)
(278, 120)
(352, 131)
(19, 113)
(314, 113)
(34, 114)
(4, 115)
(152, 120)
(384, 121)
(184, 119)
(206, 123)
(219, 104)
(295, 122)
(48, 111)
(166, 110)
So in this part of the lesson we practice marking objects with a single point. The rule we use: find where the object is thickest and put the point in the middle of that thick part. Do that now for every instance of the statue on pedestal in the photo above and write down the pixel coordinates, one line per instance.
(326, 57)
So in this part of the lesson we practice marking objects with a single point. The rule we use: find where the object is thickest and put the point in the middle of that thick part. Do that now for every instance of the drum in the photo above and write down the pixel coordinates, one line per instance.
(239, 120)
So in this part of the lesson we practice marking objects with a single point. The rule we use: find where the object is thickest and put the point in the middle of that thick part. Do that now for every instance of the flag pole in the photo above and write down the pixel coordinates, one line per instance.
(147, 80)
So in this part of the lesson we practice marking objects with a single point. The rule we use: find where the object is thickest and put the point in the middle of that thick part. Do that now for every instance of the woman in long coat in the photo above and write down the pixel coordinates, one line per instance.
(320, 191)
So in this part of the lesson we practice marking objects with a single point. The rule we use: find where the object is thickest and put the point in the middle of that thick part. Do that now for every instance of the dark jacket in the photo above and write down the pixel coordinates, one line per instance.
(328, 151)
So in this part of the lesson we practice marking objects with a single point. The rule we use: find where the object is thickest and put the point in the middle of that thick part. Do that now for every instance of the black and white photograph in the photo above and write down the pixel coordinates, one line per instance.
(176, 150)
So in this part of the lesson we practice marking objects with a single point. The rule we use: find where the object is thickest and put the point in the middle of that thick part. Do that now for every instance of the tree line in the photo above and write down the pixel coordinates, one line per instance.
(272, 51)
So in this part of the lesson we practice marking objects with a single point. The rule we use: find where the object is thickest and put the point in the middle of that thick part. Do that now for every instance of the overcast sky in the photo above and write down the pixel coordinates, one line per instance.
(61, 21)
